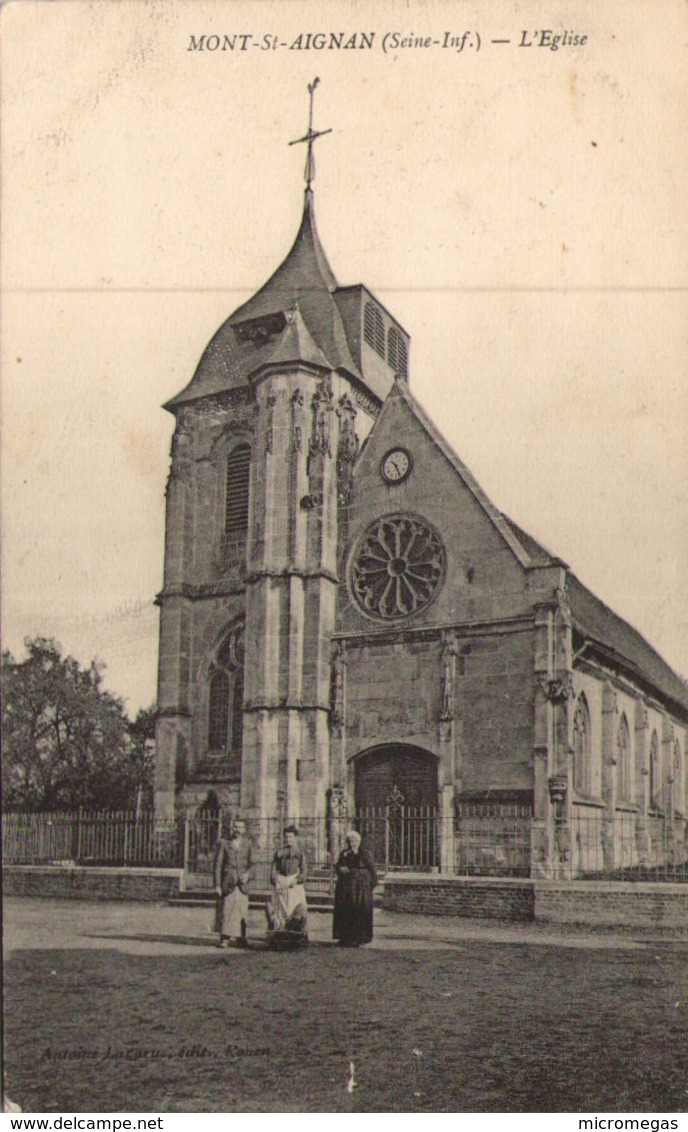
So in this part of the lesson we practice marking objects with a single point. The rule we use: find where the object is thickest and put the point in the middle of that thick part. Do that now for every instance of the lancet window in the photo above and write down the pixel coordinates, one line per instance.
(655, 773)
(623, 760)
(581, 747)
(226, 695)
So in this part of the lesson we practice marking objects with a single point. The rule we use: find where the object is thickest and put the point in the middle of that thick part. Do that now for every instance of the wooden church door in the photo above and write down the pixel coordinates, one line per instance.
(396, 805)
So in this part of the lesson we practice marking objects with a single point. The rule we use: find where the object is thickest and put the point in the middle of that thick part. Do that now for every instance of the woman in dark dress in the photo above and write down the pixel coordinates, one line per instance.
(353, 894)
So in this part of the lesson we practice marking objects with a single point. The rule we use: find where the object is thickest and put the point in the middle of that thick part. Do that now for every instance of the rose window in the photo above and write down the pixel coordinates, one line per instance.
(397, 568)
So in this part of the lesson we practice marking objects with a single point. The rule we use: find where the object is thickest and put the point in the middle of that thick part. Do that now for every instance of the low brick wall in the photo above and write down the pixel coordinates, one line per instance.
(75, 883)
(591, 903)
(609, 904)
(588, 903)
(485, 897)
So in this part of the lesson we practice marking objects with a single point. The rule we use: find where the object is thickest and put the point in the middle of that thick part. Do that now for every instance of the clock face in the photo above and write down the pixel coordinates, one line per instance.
(396, 465)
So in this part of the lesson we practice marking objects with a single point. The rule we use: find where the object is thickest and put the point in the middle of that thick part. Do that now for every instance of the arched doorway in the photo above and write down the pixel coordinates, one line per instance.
(396, 805)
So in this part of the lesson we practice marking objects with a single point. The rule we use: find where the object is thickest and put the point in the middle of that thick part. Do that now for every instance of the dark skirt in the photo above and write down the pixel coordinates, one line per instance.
(353, 908)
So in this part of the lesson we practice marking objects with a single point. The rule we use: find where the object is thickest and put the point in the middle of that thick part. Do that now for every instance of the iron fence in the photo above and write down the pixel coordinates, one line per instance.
(141, 839)
(492, 839)
(479, 839)
(401, 837)
(625, 846)
(90, 838)
(199, 836)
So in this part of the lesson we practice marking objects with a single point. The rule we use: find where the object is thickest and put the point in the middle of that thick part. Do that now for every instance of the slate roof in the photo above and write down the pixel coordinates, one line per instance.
(619, 640)
(302, 285)
(596, 621)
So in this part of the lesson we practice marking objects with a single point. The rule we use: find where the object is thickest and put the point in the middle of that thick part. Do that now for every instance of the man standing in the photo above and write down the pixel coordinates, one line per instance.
(232, 875)
(286, 910)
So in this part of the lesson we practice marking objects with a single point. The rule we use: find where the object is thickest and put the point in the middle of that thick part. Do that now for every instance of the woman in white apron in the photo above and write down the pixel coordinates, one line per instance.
(287, 909)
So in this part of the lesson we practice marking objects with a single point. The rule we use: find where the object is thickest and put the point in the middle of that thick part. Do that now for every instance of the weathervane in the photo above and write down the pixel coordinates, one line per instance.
(310, 137)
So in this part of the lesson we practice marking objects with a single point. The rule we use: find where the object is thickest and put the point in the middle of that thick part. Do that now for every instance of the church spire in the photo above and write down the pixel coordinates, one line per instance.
(309, 138)
(301, 314)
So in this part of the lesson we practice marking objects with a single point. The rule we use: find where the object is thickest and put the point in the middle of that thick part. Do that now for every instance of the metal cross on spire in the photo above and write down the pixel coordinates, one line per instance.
(310, 137)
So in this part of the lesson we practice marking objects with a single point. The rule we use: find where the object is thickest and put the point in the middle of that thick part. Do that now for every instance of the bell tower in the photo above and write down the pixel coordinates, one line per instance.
(267, 433)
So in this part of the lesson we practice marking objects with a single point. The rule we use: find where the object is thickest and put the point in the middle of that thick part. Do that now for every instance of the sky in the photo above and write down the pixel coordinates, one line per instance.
(521, 211)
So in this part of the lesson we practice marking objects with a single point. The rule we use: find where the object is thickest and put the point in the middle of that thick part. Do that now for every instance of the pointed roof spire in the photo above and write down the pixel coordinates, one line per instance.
(305, 274)
(300, 312)
(305, 280)
(309, 137)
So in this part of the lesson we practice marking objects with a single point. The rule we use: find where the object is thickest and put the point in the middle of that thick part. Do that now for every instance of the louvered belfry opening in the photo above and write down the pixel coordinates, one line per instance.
(236, 490)
(397, 354)
(374, 328)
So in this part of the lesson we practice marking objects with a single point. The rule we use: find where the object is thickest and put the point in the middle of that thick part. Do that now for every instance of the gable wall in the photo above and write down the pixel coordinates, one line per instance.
(483, 578)
(394, 682)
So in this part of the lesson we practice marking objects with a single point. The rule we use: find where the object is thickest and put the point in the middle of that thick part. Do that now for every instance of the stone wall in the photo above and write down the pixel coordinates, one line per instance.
(480, 722)
(393, 694)
(495, 692)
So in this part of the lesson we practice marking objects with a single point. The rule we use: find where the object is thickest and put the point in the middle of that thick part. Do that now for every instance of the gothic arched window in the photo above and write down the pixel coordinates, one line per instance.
(397, 354)
(237, 732)
(655, 775)
(623, 760)
(226, 696)
(236, 489)
(374, 328)
(218, 710)
(581, 747)
(676, 772)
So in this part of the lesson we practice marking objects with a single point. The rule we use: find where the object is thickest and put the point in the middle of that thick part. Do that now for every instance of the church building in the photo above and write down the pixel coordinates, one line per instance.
(346, 618)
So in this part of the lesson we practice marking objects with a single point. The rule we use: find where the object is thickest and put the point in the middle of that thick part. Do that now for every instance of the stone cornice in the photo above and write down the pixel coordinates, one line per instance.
(173, 713)
(285, 705)
(189, 592)
(365, 400)
(291, 572)
(211, 402)
(464, 630)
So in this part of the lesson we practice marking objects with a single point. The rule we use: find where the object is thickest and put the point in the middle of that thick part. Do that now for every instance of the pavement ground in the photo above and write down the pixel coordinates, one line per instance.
(113, 1007)
(164, 929)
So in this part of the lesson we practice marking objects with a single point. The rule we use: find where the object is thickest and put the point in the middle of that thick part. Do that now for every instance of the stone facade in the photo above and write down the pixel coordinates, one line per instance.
(346, 615)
